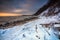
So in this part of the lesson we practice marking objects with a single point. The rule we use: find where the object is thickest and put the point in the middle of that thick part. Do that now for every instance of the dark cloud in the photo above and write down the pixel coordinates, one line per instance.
(30, 5)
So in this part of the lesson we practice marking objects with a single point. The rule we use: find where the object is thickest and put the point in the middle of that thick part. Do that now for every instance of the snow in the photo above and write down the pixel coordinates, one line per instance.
(28, 31)
(32, 30)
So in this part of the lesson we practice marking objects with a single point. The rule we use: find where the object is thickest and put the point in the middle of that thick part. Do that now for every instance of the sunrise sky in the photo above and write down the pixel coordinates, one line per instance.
(20, 7)
(10, 14)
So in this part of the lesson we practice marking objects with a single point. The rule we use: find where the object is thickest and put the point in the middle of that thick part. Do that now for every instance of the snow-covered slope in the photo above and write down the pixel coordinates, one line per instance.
(29, 31)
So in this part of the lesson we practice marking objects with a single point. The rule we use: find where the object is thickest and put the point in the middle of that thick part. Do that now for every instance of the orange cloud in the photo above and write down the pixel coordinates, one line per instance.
(10, 14)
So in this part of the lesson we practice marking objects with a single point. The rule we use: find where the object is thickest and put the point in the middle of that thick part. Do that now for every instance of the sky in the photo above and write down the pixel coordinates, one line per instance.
(25, 7)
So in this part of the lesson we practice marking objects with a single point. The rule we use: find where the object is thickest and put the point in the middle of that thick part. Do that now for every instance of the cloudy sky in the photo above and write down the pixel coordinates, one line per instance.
(24, 7)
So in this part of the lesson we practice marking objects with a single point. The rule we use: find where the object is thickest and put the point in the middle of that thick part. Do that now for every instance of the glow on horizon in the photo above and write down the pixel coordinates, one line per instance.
(9, 14)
